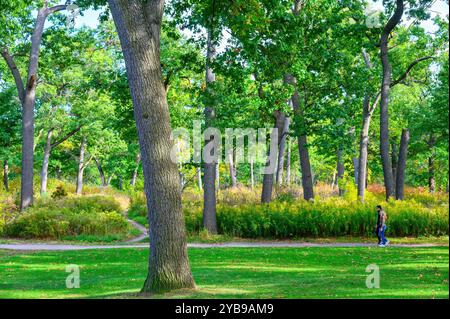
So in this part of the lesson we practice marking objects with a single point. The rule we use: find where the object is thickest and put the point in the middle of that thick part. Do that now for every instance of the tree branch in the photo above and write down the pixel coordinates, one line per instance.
(65, 138)
(408, 70)
(15, 72)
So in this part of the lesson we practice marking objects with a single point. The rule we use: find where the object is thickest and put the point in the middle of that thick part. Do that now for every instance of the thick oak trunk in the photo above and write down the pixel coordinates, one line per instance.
(401, 167)
(138, 24)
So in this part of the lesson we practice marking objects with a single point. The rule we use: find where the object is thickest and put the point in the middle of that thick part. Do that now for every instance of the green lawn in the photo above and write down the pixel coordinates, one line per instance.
(235, 273)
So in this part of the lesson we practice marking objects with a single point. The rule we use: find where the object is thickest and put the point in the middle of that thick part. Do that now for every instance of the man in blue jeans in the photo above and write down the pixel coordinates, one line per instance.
(381, 227)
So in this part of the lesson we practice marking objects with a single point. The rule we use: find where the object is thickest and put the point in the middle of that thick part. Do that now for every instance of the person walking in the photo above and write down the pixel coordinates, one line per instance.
(381, 227)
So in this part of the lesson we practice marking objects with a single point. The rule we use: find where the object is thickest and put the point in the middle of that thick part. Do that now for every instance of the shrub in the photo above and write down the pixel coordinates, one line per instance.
(69, 217)
(328, 218)
(59, 193)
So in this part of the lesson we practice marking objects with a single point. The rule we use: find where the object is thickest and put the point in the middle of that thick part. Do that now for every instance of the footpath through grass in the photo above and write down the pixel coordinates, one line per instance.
(234, 273)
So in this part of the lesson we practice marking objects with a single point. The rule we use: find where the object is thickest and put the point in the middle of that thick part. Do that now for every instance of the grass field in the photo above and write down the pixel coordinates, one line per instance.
(234, 273)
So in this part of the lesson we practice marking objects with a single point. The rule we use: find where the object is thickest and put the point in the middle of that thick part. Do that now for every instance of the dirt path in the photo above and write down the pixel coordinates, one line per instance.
(62, 247)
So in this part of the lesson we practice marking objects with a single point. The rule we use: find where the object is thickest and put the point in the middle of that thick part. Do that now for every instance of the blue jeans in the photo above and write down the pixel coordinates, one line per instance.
(381, 232)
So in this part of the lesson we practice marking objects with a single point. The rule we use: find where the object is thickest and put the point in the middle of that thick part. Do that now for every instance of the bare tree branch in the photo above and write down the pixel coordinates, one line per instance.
(15, 72)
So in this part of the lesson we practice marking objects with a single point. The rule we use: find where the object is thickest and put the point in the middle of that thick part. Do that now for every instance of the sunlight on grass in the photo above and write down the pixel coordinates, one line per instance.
(234, 273)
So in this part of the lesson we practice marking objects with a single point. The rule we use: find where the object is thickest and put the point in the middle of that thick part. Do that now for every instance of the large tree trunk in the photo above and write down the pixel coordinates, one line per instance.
(81, 166)
(384, 103)
(340, 172)
(401, 168)
(209, 171)
(45, 162)
(138, 24)
(281, 151)
(288, 164)
(136, 170)
(5, 175)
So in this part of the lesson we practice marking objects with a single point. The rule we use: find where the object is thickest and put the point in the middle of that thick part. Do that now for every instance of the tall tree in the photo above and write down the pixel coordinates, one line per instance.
(27, 96)
(138, 24)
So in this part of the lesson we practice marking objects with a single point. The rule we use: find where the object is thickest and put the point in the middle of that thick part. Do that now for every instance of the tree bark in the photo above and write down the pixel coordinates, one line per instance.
(45, 162)
(209, 171)
(401, 168)
(340, 172)
(5, 175)
(138, 24)
(384, 103)
(81, 167)
(136, 170)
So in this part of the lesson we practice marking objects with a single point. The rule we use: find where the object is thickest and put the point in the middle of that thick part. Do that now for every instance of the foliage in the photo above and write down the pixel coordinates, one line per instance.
(96, 215)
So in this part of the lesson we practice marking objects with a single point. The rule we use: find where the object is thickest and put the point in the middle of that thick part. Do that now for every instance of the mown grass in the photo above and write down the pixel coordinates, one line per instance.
(234, 273)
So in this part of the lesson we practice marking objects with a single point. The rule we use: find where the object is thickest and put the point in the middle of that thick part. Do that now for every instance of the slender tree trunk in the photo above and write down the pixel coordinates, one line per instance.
(138, 24)
(198, 171)
(431, 174)
(27, 97)
(120, 183)
(288, 164)
(340, 172)
(252, 174)
(333, 180)
(355, 169)
(266, 195)
(394, 161)
(209, 171)
(384, 103)
(5, 175)
(232, 170)
(281, 151)
(402, 156)
(136, 170)
(81, 166)
(45, 162)
(101, 172)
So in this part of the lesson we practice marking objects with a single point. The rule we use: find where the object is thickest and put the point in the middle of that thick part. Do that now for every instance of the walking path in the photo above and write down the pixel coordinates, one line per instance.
(63, 247)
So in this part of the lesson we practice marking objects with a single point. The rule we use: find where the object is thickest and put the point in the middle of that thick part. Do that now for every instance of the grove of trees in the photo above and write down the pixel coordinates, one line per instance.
(357, 97)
